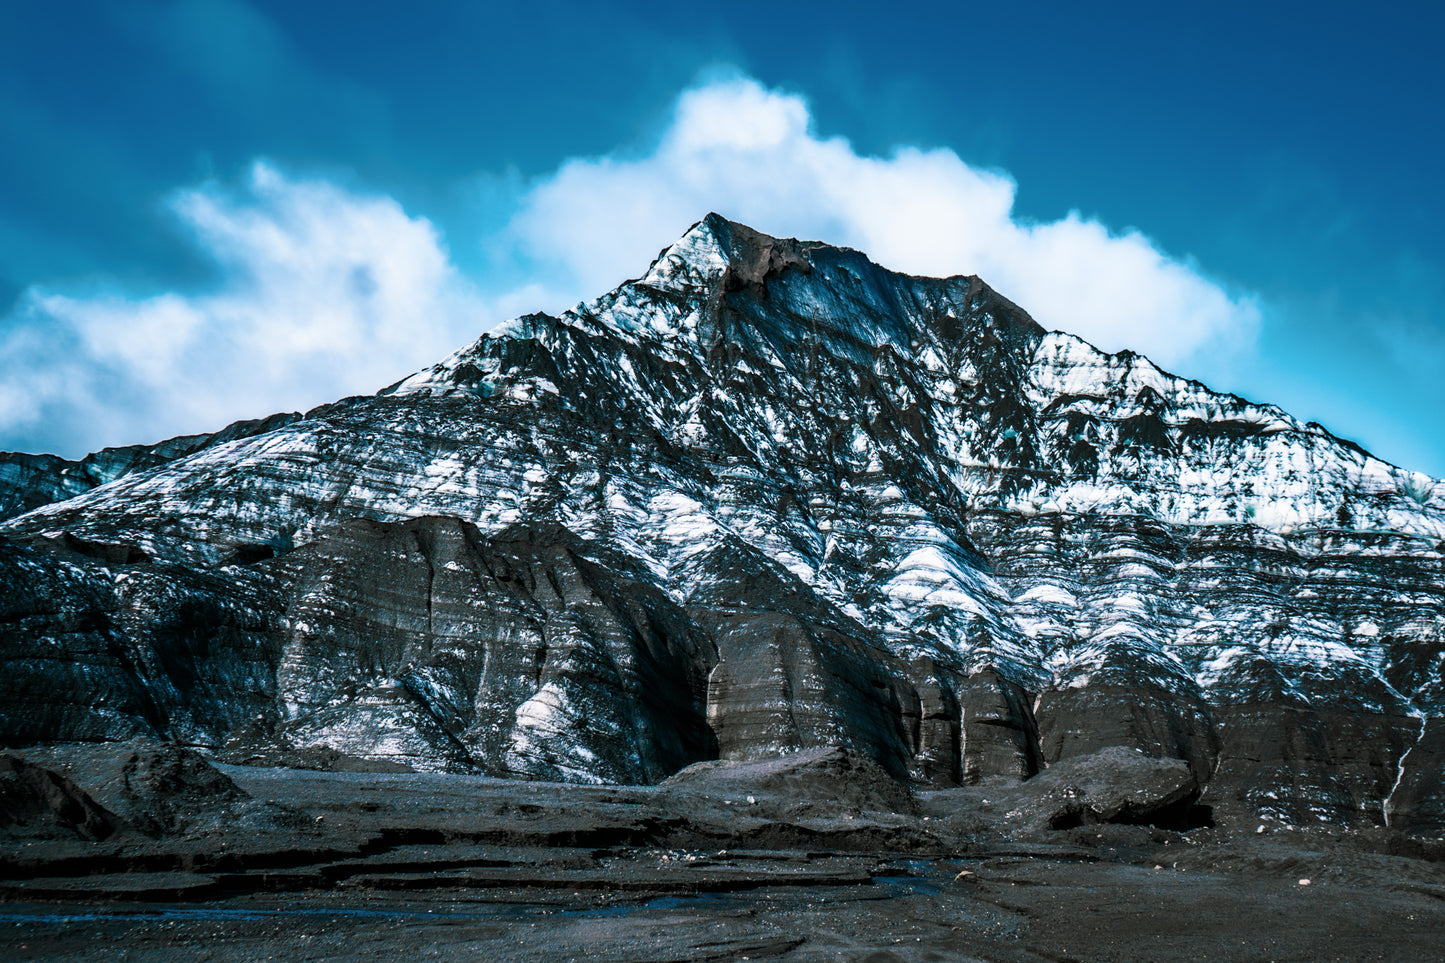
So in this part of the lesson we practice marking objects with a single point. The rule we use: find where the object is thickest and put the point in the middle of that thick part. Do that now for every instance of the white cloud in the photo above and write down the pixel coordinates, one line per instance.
(325, 292)
(751, 154)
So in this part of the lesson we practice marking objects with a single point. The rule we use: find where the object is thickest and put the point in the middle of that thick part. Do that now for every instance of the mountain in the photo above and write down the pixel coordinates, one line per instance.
(768, 496)
(29, 481)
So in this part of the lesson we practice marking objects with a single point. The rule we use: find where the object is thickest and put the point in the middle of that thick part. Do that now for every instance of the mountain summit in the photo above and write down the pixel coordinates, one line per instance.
(768, 496)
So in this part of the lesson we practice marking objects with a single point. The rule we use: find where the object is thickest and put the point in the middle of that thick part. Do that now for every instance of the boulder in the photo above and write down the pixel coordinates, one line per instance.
(826, 779)
(1113, 785)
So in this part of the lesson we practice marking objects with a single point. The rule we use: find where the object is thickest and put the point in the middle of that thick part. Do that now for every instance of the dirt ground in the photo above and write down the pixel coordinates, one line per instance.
(401, 866)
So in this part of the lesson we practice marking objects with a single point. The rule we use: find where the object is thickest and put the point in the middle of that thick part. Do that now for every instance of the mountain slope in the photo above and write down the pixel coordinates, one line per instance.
(767, 496)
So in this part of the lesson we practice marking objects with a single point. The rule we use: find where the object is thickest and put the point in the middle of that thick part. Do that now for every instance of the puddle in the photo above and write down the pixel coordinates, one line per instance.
(161, 912)
(43, 913)
(911, 883)
(915, 876)
(710, 901)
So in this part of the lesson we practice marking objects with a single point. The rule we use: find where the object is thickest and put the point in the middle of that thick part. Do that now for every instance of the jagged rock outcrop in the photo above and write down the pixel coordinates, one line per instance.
(769, 497)
(998, 729)
(530, 652)
(29, 481)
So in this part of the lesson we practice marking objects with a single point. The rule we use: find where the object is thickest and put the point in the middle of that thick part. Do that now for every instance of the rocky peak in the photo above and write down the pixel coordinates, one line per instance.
(774, 497)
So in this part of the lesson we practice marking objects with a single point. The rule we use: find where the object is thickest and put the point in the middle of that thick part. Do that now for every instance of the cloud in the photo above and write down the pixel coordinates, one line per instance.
(751, 154)
(324, 293)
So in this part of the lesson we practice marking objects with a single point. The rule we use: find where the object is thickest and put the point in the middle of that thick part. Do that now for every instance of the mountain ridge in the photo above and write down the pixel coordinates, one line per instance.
(79, 475)
(970, 547)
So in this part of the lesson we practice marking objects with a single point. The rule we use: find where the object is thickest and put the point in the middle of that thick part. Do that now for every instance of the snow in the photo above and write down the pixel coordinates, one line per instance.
(1400, 766)
(867, 542)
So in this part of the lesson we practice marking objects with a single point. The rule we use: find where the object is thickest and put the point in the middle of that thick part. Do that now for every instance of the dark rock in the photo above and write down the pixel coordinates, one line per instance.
(831, 778)
(530, 653)
(159, 789)
(1301, 765)
(69, 666)
(938, 758)
(792, 671)
(768, 497)
(37, 802)
(999, 734)
(1417, 801)
(1081, 721)
(1113, 785)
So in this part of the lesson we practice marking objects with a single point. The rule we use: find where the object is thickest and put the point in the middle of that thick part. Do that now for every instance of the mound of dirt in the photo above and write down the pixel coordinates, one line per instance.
(38, 803)
(315, 758)
(156, 788)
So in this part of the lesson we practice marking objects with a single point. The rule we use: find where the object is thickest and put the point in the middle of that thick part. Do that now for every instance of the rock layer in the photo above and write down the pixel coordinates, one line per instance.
(767, 498)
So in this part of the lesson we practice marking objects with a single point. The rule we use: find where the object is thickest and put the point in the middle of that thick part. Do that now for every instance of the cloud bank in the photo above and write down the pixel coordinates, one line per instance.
(751, 154)
(326, 292)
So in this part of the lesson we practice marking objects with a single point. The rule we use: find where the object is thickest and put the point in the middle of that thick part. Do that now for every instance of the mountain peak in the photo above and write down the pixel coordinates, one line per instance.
(717, 249)
(768, 496)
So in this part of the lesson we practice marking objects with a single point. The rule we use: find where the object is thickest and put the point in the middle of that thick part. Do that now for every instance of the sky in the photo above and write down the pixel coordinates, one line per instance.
(217, 209)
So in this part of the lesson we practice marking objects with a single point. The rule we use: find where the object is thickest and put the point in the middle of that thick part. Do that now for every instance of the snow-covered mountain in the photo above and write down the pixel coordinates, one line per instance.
(767, 496)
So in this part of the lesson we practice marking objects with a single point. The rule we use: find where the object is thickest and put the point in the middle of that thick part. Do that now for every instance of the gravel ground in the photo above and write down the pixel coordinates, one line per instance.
(402, 866)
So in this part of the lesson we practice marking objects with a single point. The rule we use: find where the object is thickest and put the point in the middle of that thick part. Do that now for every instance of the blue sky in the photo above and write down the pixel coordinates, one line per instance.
(215, 209)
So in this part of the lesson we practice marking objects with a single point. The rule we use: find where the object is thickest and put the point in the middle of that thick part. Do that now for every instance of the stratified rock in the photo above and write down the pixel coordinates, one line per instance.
(68, 667)
(999, 734)
(29, 481)
(95, 653)
(1300, 765)
(1082, 720)
(1417, 800)
(938, 758)
(531, 653)
(767, 497)
(793, 672)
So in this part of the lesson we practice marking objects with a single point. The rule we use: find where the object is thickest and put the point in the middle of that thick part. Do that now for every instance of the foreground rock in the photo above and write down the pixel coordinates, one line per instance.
(36, 802)
(832, 780)
(1110, 786)
(115, 790)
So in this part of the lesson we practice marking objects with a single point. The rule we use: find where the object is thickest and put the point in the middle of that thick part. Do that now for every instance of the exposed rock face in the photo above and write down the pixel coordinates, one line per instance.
(530, 652)
(29, 481)
(1418, 796)
(767, 498)
(998, 730)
